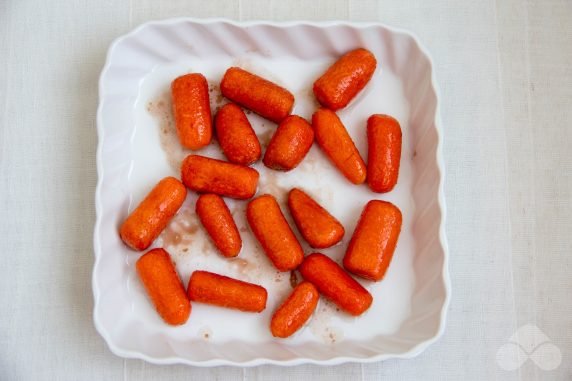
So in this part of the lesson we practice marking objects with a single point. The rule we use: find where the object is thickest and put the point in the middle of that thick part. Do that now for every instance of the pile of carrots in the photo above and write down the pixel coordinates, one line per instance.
(371, 247)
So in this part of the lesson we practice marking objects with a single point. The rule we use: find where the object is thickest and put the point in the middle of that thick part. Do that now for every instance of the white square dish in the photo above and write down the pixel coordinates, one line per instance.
(138, 146)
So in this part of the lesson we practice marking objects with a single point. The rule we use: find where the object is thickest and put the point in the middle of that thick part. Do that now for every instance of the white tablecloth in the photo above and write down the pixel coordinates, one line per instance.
(505, 72)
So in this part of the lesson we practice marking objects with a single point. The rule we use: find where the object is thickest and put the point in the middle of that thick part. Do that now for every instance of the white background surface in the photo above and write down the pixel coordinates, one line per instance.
(505, 72)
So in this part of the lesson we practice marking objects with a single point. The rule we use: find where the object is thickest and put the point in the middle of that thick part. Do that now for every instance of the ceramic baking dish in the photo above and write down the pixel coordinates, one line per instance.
(138, 146)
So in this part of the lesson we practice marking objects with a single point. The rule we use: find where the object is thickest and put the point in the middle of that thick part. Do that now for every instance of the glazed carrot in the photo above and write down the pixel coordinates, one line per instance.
(337, 144)
(295, 311)
(153, 214)
(265, 98)
(218, 222)
(192, 110)
(222, 291)
(289, 144)
(335, 284)
(273, 232)
(345, 79)
(372, 245)
(164, 288)
(206, 175)
(384, 152)
(318, 227)
(236, 136)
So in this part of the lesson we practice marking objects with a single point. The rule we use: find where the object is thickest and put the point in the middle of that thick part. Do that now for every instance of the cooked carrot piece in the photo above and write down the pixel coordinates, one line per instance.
(384, 152)
(265, 98)
(219, 224)
(333, 138)
(206, 175)
(345, 79)
(164, 288)
(153, 214)
(236, 136)
(289, 144)
(222, 291)
(335, 284)
(318, 227)
(372, 245)
(192, 110)
(295, 311)
(273, 232)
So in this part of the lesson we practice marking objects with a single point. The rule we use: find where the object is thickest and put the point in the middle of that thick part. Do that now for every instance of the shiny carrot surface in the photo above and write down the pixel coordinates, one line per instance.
(318, 227)
(384, 152)
(157, 273)
(334, 140)
(265, 98)
(236, 136)
(373, 243)
(219, 224)
(222, 291)
(295, 311)
(205, 175)
(192, 110)
(153, 214)
(273, 232)
(289, 144)
(345, 79)
(335, 284)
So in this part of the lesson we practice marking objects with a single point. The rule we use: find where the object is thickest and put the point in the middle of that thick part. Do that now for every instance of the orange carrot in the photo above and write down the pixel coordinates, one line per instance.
(345, 79)
(265, 98)
(295, 311)
(153, 214)
(384, 152)
(332, 137)
(372, 245)
(273, 232)
(289, 144)
(206, 175)
(335, 284)
(192, 110)
(236, 136)
(318, 227)
(222, 291)
(158, 275)
(218, 222)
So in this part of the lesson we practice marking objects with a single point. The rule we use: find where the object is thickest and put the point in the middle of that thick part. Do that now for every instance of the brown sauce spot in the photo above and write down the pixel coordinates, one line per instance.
(161, 110)
(293, 279)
